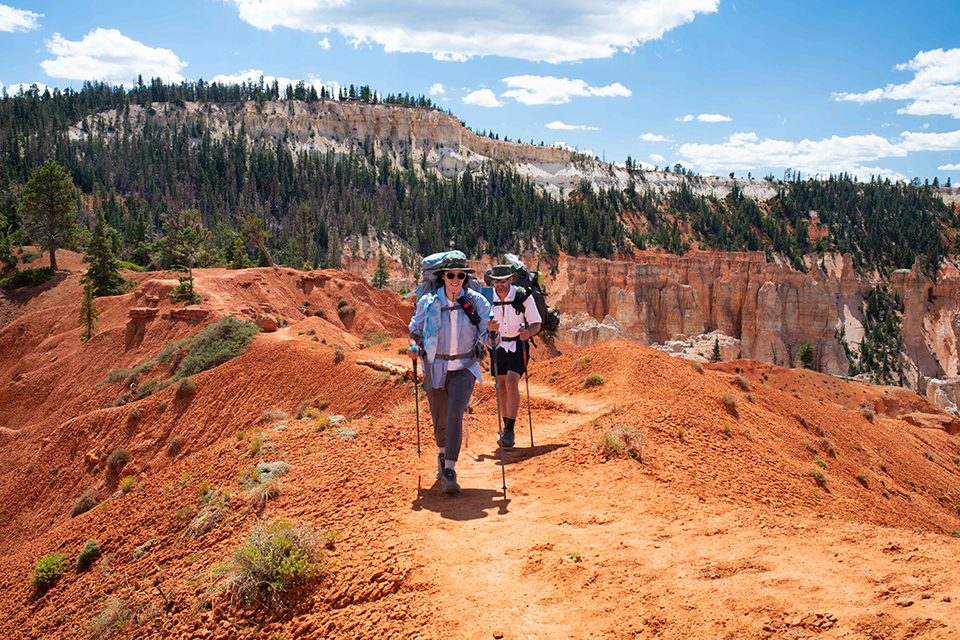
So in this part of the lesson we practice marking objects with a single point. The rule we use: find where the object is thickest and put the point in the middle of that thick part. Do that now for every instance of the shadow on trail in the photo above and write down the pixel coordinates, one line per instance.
(469, 504)
(513, 455)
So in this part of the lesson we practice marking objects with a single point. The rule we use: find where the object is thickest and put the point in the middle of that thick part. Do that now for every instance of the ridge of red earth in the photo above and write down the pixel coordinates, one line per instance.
(719, 530)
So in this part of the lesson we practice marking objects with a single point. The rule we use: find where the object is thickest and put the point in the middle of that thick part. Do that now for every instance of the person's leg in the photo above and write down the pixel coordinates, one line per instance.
(459, 389)
(512, 385)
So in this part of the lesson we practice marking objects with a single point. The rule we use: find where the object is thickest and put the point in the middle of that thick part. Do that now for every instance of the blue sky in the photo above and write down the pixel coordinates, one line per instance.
(870, 88)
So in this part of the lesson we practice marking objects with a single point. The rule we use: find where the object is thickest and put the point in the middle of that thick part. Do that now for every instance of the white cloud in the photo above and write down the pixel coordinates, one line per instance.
(556, 124)
(559, 31)
(712, 117)
(106, 54)
(482, 98)
(550, 90)
(931, 141)
(252, 76)
(934, 90)
(14, 89)
(949, 167)
(703, 117)
(437, 90)
(656, 157)
(652, 137)
(745, 151)
(324, 44)
(18, 19)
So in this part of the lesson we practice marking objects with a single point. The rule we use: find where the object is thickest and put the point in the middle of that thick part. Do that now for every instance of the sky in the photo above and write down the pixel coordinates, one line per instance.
(754, 88)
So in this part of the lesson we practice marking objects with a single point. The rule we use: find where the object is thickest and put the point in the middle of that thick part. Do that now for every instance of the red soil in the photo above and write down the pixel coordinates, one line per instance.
(720, 531)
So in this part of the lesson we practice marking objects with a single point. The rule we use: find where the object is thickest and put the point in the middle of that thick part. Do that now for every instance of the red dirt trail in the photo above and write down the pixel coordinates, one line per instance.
(719, 530)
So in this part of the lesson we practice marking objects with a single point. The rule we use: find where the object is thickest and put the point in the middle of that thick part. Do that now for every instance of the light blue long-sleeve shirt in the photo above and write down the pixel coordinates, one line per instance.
(431, 323)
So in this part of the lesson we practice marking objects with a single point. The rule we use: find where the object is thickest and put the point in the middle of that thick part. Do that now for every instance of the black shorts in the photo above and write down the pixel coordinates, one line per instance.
(509, 361)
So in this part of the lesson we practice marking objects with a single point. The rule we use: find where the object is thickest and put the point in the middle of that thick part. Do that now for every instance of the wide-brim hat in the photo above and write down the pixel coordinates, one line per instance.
(454, 263)
(501, 272)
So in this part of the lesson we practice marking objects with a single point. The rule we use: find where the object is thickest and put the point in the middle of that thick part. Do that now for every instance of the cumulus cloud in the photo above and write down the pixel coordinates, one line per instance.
(482, 98)
(324, 44)
(949, 167)
(556, 124)
(559, 31)
(106, 54)
(437, 89)
(934, 89)
(744, 151)
(550, 90)
(686, 118)
(652, 137)
(656, 157)
(931, 141)
(18, 19)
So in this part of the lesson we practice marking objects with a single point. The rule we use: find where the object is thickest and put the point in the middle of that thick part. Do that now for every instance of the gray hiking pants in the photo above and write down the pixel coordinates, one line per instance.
(447, 406)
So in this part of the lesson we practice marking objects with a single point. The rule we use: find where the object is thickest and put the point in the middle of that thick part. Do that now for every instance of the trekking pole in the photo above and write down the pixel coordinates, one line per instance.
(496, 389)
(416, 398)
(526, 372)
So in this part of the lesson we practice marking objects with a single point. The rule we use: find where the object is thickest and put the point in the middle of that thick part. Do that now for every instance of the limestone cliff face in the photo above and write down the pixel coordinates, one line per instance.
(770, 308)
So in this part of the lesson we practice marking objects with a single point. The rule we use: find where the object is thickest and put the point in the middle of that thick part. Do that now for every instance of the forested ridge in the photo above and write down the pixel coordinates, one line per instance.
(150, 177)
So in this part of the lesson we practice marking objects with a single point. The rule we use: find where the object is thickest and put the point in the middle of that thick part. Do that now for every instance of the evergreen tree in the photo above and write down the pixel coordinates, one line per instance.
(382, 273)
(807, 355)
(88, 314)
(103, 271)
(252, 232)
(49, 206)
(715, 356)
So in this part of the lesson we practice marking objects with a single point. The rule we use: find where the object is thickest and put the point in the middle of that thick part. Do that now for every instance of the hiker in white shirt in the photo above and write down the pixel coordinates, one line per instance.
(518, 320)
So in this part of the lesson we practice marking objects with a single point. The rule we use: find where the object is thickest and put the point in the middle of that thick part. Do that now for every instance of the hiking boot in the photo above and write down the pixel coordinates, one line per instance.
(439, 466)
(448, 482)
(506, 437)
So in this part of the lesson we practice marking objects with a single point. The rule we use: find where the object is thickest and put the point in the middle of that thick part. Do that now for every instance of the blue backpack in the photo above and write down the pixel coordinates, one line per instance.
(428, 273)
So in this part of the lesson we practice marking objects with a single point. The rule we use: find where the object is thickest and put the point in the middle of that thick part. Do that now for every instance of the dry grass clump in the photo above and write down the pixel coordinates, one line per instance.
(212, 512)
(264, 492)
(338, 354)
(274, 560)
(117, 459)
(127, 483)
(186, 389)
(112, 619)
(403, 407)
(274, 415)
(594, 380)
(622, 440)
(174, 446)
(729, 402)
(698, 367)
(86, 501)
(868, 413)
(742, 382)
(821, 478)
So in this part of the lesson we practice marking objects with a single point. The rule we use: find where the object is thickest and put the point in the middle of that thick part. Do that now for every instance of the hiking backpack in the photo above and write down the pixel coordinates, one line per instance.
(530, 283)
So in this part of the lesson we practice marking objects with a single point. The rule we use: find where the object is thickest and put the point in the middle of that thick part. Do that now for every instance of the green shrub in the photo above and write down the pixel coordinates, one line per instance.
(27, 278)
(819, 461)
(129, 266)
(88, 555)
(343, 312)
(256, 443)
(272, 560)
(86, 501)
(338, 354)
(820, 478)
(48, 570)
(117, 459)
(862, 479)
(319, 313)
(582, 362)
(594, 380)
(218, 343)
(621, 439)
(30, 256)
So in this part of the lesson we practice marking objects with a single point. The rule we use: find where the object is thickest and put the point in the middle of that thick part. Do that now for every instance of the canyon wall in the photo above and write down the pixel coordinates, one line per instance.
(770, 308)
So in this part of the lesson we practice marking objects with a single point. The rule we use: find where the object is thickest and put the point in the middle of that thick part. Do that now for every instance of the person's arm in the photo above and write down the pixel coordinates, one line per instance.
(487, 324)
(529, 331)
(416, 328)
(532, 317)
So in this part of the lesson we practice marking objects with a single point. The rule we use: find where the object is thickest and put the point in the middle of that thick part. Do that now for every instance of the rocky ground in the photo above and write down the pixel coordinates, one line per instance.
(716, 529)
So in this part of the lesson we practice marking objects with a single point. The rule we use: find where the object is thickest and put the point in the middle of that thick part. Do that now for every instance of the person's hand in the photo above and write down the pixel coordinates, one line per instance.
(412, 352)
(493, 326)
(524, 335)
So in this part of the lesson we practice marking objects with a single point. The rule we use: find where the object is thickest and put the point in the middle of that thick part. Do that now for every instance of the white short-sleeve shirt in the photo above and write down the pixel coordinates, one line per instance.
(511, 321)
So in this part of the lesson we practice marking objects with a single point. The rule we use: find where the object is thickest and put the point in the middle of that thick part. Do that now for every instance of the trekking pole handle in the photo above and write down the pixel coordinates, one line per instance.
(494, 334)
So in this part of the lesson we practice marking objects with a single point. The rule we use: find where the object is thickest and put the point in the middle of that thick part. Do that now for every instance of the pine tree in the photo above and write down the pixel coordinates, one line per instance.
(50, 206)
(88, 314)
(807, 354)
(103, 271)
(715, 356)
(382, 275)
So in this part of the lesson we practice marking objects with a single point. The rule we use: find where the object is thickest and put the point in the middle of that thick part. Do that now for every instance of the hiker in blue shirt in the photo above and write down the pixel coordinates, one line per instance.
(450, 328)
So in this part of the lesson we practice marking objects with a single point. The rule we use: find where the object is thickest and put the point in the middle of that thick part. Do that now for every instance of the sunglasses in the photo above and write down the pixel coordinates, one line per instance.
(458, 276)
